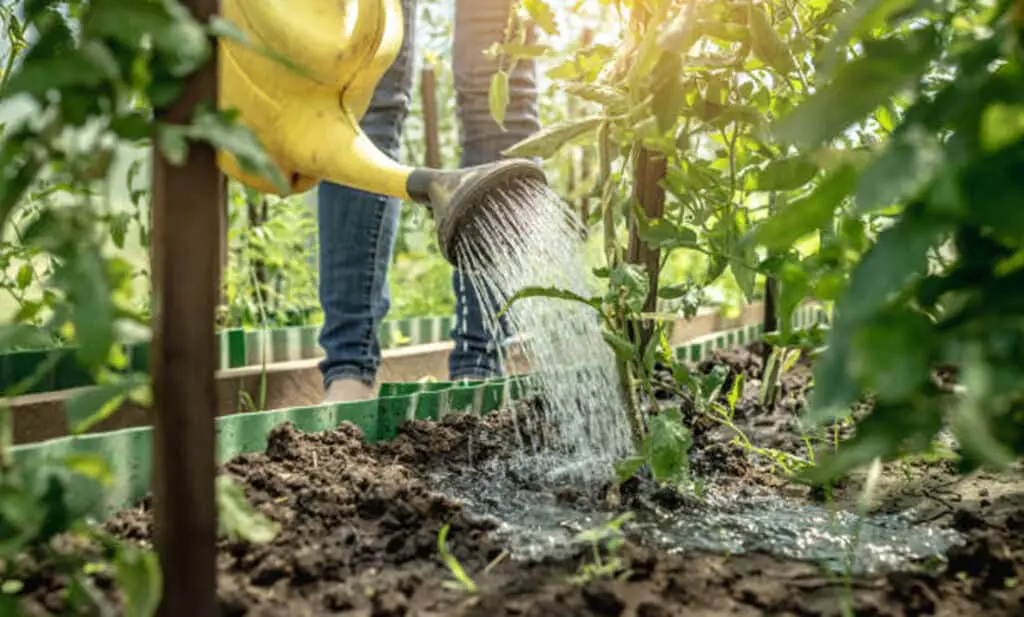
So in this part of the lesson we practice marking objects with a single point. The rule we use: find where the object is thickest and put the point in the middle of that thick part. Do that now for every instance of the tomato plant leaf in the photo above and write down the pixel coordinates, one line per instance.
(95, 404)
(623, 348)
(909, 164)
(238, 519)
(139, 579)
(541, 15)
(498, 97)
(784, 174)
(807, 214)
(668, 446)
(549, 140)
(765, 42)
(888, 67)
(548, 292)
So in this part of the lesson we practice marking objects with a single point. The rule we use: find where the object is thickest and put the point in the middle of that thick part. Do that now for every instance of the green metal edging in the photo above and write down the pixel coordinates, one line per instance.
(129, 452)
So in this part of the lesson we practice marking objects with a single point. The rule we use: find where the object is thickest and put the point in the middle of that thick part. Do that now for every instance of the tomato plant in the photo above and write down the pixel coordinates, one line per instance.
(858, 153)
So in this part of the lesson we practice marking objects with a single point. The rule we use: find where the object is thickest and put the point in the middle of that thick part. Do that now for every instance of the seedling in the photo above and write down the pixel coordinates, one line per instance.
(609, 536)
(462, 581)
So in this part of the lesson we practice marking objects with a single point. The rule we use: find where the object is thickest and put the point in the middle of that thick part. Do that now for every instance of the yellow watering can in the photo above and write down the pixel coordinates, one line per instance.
(309, 121)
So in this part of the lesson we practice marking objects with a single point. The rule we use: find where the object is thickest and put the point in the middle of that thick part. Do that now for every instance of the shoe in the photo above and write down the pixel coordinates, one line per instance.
(347, 390)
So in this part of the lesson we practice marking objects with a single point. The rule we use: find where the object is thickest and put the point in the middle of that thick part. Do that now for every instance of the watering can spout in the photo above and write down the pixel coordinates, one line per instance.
(460, 199)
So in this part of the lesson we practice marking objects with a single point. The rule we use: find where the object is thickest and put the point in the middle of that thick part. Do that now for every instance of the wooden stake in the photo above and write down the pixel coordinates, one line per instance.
(651, 168)
(431, 129)
(186, 261)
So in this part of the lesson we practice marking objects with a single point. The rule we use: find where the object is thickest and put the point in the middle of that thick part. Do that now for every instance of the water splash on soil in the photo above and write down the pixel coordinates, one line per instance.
(536, 522)
(571, 367)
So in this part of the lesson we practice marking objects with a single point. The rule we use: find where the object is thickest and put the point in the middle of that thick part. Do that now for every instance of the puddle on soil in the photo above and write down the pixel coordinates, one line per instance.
(534, 524)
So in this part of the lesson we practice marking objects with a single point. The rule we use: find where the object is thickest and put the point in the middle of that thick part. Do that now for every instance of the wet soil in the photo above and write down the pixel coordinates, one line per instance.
(360, 525)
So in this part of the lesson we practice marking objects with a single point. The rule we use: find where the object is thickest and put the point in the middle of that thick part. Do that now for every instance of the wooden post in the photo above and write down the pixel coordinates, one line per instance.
(651, 168)
(431, 130)
(186, 260)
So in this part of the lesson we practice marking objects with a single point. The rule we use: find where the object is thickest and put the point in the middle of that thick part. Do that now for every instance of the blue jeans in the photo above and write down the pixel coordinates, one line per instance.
(357, 229)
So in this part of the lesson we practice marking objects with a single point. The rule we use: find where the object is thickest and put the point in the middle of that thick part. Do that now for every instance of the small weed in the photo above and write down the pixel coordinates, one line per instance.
(610, 536)
(787, 463)
(462, 581)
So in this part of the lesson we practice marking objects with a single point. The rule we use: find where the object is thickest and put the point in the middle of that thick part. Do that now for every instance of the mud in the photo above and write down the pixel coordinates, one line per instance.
(360, 525)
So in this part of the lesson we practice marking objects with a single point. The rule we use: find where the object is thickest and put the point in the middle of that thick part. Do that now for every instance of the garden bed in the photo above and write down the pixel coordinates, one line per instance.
(360, 525)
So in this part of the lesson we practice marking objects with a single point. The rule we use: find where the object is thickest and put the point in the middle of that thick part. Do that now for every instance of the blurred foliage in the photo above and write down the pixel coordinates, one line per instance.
(88, 75)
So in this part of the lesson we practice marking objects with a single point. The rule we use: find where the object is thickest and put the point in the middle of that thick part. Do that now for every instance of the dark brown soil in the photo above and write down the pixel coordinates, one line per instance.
(360, 526)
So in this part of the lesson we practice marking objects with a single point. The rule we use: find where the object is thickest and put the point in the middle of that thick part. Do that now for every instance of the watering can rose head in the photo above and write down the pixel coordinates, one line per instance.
(307, 118)
(463, 200)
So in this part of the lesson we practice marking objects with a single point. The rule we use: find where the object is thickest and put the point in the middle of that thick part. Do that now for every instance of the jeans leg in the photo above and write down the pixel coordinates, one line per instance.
(478, 25)
(357, 236)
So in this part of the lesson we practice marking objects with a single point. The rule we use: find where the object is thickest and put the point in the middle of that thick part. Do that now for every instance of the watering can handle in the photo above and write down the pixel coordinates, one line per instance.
(307, 32)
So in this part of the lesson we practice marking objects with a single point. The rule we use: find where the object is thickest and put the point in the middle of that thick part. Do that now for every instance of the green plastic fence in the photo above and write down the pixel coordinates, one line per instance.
(238, 348)
(129, 452)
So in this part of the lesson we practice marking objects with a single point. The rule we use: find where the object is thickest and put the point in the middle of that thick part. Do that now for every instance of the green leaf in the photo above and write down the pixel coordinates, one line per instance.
(498, 97)
(668, 446)
(84, 279)
(548, 292)
(662, 233)
(222, 130)
(889, 66)
(132, 126)
(173, 141)
(743, 264)
(834, 387)
(1001, 125)
(628, 283)
(674, 292)
(24, 277)
(549, 140)
(765, 42)
(900, 254)
(465, 582)
(908, 166)
(541, 15)
(670, 95)
(972, 422)
(177, 38)
(21, 519)
(892, 355)
(90, 67)
(92, 466)
(623, 348)
(238, 519)
(139, 579)
(614, 100)
(627, 468)
(727, 32)
(879, 436)
(95, 404)
(735, 392)
(14, 337)
(803, 216)
(681, 33)
(524, 51)
(860, 19)
(785, 174)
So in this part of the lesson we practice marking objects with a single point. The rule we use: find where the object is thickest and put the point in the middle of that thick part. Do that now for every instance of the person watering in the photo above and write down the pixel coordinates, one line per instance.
(357, 229)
